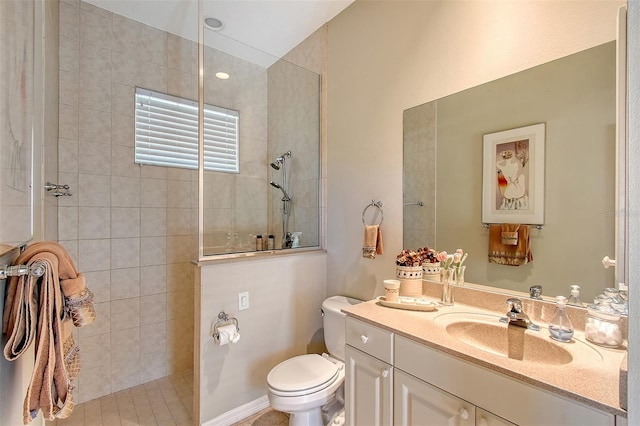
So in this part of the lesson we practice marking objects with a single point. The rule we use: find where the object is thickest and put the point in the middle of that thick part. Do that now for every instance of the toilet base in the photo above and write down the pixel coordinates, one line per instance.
(311, 417)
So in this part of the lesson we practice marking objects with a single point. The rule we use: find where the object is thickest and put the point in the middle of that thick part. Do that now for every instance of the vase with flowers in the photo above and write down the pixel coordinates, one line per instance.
(454, 261)
(452, 272)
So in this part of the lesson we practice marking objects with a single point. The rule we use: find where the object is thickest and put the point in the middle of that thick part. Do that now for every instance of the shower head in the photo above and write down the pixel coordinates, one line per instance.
(276, 164)
(286, 196)
(280, 160)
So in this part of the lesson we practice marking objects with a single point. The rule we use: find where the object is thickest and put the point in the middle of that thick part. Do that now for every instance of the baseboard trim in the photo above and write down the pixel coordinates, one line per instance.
(239, 413)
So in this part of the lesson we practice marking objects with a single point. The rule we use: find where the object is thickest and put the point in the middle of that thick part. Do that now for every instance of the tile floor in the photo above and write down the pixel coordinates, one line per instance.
(266, 417)
(167, 401)
(164, 402)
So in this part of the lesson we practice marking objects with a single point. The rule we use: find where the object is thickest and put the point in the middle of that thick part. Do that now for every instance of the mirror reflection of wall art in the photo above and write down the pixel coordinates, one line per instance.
(513, 176)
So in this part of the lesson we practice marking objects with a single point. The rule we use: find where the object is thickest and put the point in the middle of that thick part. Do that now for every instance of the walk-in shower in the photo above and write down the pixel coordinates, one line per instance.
(272, 193)
(278, 164)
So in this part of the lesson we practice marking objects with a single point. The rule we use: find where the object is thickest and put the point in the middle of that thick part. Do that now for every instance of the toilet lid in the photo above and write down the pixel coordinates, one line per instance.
(304, 372)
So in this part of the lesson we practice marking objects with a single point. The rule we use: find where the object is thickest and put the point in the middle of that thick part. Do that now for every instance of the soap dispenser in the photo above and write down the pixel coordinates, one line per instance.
(574, 299)
(560, 326)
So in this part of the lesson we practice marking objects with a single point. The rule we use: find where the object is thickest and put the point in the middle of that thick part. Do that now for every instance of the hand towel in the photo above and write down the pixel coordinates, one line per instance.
(41, 310)
(509, 254)
(372, 241)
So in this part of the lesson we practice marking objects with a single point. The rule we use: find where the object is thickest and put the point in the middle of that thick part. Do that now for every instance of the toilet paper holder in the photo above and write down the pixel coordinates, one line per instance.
(224, 319)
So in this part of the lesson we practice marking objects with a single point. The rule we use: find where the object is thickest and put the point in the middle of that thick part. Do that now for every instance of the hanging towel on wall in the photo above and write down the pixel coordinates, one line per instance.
(502, 249)
(372, 241)
(42, 310)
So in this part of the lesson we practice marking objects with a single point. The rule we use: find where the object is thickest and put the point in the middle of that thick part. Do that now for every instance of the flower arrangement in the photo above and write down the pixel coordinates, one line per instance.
(416, 258)
(454, 260)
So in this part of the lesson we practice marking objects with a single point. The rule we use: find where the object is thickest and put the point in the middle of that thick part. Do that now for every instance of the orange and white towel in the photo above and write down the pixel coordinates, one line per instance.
(510, 244)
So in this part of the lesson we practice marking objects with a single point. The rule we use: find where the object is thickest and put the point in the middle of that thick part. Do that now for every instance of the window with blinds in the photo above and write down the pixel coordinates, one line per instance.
(167, 133)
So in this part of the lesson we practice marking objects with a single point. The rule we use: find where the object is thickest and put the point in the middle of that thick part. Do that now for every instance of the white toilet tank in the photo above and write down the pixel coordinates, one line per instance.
(334, 323)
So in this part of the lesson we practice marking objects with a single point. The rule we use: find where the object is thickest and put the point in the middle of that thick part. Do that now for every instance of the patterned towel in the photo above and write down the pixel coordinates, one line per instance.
(510, 254)
(42, 310)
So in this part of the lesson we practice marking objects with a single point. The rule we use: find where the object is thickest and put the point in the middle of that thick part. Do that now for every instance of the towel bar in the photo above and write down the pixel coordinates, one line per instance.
(36, 269)
(538, 227)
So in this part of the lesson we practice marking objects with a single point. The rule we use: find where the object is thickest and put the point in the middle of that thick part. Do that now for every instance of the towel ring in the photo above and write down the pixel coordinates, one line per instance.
(378, 207)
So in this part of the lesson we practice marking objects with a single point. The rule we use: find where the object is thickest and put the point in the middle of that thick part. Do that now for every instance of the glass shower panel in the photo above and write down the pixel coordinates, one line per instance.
(276, 189)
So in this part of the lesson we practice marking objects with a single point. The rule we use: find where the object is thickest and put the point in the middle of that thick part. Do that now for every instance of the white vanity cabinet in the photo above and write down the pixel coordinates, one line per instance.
(418, 403)
(506, 399)
(368, 390)
(369, 375)
(485, 418)
(391, 379)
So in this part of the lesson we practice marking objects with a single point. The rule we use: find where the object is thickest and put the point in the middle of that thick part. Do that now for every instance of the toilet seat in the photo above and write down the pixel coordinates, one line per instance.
(302, 375)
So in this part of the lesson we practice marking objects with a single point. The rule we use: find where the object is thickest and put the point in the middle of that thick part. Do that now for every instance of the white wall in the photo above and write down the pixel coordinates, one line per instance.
(633, 78)
(285, 294)
(387, 56)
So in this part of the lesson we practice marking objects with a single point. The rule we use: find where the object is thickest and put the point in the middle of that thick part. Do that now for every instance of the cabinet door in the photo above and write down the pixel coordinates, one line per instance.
(485, 418)
(369, 387)
(417, 403)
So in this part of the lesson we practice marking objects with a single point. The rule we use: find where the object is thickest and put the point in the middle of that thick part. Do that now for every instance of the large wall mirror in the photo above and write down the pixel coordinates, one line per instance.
(575, 97)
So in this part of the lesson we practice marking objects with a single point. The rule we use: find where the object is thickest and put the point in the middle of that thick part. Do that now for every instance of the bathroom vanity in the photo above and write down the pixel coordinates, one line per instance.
(460, 365)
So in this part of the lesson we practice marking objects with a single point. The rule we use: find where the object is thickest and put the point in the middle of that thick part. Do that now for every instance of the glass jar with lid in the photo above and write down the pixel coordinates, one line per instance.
(602, 325)
(618, 299)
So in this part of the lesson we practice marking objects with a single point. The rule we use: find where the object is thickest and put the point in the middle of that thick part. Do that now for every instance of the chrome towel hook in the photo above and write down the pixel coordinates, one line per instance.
(58, 190)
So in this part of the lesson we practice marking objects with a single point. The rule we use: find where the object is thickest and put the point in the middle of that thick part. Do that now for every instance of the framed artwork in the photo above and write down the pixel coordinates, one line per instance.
(513, 176)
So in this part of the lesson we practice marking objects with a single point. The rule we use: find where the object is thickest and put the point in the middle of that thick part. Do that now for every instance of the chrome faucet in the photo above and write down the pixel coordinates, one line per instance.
(516, 317)
(287, 241)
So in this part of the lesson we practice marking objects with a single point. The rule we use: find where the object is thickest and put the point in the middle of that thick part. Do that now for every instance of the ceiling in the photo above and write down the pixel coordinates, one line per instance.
(260, 31)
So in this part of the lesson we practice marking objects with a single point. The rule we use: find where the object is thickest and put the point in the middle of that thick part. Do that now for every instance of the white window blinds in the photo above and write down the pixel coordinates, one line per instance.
(167, 133)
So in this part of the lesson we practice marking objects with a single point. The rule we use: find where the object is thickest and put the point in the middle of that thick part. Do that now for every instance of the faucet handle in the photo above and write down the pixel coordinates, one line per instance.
(515, 305)
(535, 291)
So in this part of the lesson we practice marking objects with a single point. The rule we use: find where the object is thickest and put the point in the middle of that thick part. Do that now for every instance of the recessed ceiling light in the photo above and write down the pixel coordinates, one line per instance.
(214, 24)
(222, 75)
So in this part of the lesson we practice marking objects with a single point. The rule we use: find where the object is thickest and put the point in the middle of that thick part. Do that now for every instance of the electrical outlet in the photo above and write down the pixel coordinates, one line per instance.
(243, 301)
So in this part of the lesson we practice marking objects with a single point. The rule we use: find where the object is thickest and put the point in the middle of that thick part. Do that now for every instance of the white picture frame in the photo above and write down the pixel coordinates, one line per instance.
(513, 176)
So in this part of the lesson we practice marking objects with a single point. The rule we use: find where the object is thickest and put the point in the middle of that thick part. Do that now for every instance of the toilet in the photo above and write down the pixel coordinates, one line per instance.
(310, 387)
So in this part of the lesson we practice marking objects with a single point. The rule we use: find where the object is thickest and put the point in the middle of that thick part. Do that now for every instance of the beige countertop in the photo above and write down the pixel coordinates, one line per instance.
(591, 378)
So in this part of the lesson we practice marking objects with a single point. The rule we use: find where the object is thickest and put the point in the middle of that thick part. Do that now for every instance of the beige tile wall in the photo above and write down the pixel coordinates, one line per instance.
(131, 229)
